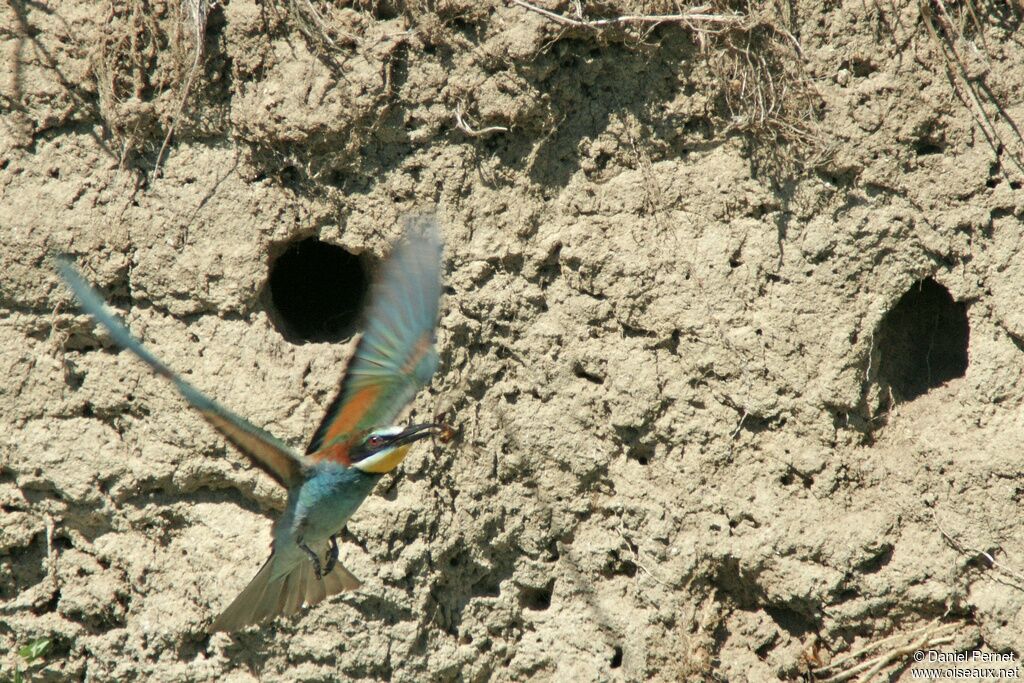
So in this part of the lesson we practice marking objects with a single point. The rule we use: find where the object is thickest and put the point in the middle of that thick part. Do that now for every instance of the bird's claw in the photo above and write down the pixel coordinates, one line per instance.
(314, 559)
(332, 556)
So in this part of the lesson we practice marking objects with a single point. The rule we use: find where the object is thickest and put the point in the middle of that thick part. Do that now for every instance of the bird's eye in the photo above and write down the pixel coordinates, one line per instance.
(375, 441)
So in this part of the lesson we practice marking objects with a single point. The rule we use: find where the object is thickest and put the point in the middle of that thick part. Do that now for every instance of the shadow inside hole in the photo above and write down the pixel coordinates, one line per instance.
(922, 342)
(315, 292)
(537, 599)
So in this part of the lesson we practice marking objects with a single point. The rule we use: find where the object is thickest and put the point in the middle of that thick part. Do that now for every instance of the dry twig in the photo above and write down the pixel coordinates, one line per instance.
(696, 16)
(198, 12)
(869, 668)
(461, 124)
(636, 553)
(1009, 576)
(944, 33)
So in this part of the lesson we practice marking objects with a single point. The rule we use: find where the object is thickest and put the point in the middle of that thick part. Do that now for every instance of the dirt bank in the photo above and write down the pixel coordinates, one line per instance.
(732, 332)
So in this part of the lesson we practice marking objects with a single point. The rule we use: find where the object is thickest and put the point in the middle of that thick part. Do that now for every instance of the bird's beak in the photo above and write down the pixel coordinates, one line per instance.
(390, 457)
(414, 433)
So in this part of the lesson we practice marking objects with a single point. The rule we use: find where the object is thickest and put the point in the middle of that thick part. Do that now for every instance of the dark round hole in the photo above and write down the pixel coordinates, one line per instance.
(538, 598)
(316, 292)
(922, 341)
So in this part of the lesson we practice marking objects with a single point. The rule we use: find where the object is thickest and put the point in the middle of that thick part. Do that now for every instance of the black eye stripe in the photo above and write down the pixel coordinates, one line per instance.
(369, 446)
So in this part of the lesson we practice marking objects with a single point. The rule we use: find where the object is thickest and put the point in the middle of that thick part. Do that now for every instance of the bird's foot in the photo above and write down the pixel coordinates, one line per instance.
(314, 559)
(332, 556)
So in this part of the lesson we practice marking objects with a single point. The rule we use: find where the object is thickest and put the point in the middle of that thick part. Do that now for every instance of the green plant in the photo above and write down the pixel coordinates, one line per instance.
(33, 654)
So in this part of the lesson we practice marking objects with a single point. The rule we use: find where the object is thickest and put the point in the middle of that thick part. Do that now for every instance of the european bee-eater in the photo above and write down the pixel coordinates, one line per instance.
(351, 449)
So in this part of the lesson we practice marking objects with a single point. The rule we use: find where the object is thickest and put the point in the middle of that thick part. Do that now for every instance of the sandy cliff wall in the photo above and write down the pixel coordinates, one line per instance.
(732, 332)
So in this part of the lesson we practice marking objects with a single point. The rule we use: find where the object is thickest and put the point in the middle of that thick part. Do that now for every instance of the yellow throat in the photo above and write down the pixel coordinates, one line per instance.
(385, 461)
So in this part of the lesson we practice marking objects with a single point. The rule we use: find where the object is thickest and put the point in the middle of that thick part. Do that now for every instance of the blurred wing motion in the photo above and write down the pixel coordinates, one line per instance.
(266, 451)
(395, 357)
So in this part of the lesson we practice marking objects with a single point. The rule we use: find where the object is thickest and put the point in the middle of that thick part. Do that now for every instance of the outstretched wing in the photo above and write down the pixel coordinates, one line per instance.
(395, 357)
(266, 451)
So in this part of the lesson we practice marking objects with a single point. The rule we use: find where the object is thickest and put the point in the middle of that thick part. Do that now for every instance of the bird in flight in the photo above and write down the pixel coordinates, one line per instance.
(355, 444)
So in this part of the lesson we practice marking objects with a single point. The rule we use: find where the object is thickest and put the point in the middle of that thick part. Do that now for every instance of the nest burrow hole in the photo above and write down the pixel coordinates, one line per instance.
(316, 291)
(922, 341)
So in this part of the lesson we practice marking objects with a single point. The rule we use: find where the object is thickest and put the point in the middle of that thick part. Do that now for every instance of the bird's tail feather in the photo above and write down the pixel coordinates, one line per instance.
(272, 593)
